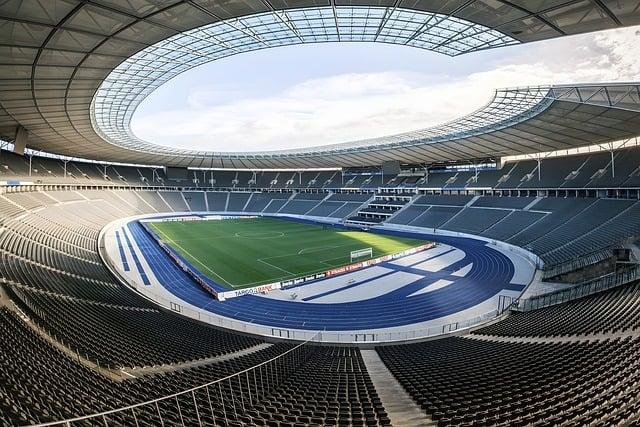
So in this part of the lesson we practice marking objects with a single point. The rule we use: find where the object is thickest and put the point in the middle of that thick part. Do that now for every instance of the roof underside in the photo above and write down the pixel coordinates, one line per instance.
(57, 53)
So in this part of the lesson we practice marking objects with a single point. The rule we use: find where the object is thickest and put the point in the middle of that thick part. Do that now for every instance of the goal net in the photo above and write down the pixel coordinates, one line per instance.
(361, 253)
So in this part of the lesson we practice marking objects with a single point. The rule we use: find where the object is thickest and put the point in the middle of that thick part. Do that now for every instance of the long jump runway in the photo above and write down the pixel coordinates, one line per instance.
(456, 276)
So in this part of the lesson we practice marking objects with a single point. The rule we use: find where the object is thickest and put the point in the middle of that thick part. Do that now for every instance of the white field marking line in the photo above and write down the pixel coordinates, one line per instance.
(238, 234)
(274, 266)
(320, 270)
(194, 258)
(279, 235)
(330, 265)
(326, 262)
(293, 275)
(317, 249)
(287, 232)
(275, 279)
(259, 282)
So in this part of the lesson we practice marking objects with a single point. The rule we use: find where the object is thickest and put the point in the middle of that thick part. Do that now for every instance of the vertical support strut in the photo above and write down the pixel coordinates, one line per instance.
(613, 161)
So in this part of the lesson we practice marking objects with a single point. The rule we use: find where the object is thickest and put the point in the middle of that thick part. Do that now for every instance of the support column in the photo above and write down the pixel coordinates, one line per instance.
(21, 140)
(613, 161)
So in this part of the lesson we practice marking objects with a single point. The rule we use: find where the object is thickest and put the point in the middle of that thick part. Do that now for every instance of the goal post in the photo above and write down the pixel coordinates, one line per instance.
(361, 253)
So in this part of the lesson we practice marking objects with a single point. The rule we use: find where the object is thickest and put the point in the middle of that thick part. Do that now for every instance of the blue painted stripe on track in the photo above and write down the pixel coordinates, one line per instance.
(123, 257)
(136, 261)
(396, 268)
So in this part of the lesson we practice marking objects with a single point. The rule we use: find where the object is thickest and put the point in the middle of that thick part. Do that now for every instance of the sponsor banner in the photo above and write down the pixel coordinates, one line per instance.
(370, 262)
(197, 218)
(172, 219)
(183, 218)
(223, 217)
(263, 289)
(15, 182)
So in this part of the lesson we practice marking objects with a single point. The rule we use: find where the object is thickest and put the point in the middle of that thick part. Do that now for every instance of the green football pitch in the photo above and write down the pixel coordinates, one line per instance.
(241, 253)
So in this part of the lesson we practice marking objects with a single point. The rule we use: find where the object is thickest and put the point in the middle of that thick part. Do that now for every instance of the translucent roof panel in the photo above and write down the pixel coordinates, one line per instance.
(59, 81)
(134, 79)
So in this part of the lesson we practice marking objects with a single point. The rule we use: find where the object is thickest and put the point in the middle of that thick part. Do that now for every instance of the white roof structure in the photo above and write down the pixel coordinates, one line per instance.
(73, 72)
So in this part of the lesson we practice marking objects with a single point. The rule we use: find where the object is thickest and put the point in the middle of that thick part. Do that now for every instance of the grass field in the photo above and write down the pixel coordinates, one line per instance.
(241, 253)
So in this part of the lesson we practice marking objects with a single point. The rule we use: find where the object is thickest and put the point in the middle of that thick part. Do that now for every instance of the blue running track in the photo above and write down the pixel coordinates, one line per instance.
(490, 273)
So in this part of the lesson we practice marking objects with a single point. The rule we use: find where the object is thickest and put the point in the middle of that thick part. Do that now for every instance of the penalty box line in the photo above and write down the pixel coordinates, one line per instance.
(262, 260)
(301, 252)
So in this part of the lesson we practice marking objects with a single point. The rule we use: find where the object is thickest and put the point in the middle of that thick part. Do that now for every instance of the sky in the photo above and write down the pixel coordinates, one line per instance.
(309, 95)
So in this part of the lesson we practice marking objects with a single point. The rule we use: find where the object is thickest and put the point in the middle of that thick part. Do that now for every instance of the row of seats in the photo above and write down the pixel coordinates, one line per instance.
(50, 255)
(455, 380)
(590, 170)
(125, 336)
(608, 312)
(464, 381)
(313, 386)
(556, 229)
(337, 205)
(49, 170)
(39, 383)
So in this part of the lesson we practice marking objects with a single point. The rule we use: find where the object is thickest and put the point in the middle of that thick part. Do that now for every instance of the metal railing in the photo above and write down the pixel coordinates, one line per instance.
(332, 337)
(578, 263)
(582, 290)
(222, 401)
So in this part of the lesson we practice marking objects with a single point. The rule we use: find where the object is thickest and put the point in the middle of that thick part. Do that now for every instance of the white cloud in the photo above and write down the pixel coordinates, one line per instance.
(363, 105)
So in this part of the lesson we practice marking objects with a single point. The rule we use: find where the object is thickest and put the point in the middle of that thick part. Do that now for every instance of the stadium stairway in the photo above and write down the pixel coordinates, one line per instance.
(401, 409)
(379, 209)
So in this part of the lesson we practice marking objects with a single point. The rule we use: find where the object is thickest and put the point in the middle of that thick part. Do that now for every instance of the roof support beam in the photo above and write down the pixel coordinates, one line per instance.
(335, 18)
(607, 11)
(387, 15)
